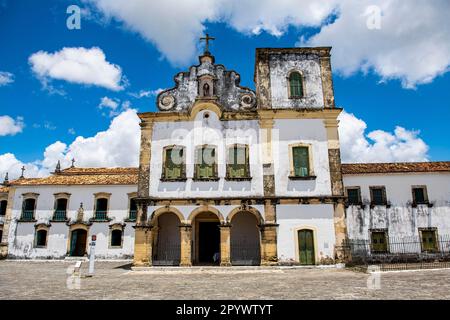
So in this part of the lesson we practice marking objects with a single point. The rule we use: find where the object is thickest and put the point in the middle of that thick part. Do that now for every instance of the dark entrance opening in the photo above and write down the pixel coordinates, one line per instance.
(209, 242)
(78, 243)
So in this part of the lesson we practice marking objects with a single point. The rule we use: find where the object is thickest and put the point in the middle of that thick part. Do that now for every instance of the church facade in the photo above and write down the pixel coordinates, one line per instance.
(230, 176)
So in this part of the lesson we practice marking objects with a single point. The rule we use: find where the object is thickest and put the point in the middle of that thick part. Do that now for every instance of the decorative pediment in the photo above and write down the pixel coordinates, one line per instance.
(207, 82)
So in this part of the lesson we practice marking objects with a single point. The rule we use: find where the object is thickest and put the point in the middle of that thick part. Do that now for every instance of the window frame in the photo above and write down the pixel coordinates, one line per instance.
(25, 197)
(97, 196)
(436, 239)
(231, 148)
(183, 165)
(386, 238)
(215, 176)
(425, 195)
(359, 203)
(41, 228)
(116, 227)
(58, 196)
(311, 175)
(302, 81)
(384, 197)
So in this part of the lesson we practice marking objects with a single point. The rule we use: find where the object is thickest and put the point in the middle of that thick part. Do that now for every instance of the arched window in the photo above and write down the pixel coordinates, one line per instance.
(295, 85)
(116, 238)
(3, 205)
(41, 238)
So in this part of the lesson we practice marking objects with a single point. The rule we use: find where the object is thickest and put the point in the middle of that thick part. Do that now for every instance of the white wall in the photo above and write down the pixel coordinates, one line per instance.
(309, 131)
(401, 220)
(319, 218)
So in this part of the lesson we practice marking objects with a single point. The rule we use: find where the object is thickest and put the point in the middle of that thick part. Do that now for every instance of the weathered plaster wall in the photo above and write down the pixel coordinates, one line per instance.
(309, 66)
(401, 219)
(308, 131)
(292, 218)
(22, 234)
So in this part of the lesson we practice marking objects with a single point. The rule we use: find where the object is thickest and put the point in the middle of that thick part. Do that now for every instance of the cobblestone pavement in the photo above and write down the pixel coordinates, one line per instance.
(115, 280)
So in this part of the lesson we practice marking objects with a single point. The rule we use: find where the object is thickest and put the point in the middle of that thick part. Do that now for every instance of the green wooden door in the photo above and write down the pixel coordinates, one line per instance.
(306, 246)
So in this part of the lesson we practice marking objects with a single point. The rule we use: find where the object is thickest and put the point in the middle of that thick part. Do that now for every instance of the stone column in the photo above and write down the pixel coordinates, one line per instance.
(7, 224)
(186, 245)
(143, 241)
(225, 252)
(269, 255)
(266, 126)
(337, 185)
(327, 78)
(144, 159)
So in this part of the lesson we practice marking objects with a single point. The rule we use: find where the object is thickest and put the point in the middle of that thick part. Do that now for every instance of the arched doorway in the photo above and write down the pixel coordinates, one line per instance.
(245, 239)
(78, 243)
(306, 251)
(167, 247)
(207, 239)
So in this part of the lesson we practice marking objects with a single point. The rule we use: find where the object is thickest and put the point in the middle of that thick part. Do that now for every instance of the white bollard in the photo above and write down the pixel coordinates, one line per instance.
(92, 256)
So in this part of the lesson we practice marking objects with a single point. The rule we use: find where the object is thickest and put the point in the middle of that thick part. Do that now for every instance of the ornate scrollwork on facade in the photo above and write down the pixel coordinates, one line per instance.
(166, 102)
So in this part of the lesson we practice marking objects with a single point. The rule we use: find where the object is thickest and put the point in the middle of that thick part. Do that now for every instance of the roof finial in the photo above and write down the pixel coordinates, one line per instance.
(23, 170)
(6, 180)
(58, 167)
(73, 161)
(207, 39)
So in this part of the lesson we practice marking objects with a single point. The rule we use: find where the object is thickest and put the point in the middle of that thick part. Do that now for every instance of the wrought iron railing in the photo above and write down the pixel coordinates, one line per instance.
(132, 215)
(101, 215)
(167, 253)
(59, 215)
(245, 253)
(398, 253)
(27, 215)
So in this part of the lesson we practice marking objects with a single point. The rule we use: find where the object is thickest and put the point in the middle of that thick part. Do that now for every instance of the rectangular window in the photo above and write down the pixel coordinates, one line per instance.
(3, 205)
(101, 209)
(28, 206)
(378, 196)
(60, 209)
(133, 210)
(237, 164)
(174, 163)
(205, 167)
(300, 159)
(379, 241)
(429, 240)
(419, 195)
(354, 196)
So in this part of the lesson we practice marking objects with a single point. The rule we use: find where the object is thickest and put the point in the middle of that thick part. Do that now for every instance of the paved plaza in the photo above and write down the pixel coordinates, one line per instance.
(116, 280)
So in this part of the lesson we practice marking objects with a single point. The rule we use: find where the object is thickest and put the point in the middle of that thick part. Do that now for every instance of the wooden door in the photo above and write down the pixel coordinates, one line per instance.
(379, 242)
(306, 247)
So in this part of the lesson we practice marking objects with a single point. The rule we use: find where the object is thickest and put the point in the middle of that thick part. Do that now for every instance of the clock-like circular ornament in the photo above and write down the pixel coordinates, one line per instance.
(167, 102)
(247, 101)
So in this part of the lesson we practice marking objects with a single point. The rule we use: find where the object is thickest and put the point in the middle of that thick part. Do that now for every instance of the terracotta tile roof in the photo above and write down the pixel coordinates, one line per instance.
(399, 167)
(85, 176)
(4, 189)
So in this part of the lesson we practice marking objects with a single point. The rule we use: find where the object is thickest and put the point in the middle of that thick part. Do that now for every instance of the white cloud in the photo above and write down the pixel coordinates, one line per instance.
(413, 44)
(6, 78)
(10, 126)
(118, 146)
(77, 65)
(146, 93)
(114, 105)
(378, 145)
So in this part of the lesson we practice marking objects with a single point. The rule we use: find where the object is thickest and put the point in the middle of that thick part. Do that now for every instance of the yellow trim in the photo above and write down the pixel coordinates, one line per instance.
(200, 106)
(310, 158)
(202, 209)
(297, 248)
(158, 212)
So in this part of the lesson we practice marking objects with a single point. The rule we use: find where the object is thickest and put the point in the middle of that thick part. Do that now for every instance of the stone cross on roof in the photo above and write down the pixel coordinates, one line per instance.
(207, 39)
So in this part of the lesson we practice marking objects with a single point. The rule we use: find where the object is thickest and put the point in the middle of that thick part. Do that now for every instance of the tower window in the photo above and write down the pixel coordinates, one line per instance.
(295, 85)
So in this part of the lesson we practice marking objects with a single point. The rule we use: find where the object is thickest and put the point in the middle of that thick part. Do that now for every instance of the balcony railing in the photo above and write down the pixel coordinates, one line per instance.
(101, 215)
(133, 215)
(59, 215)
(27, 215)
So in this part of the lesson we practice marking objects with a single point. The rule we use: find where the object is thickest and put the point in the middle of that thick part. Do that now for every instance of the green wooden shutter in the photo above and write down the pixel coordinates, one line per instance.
(301, 161)
(296, 85)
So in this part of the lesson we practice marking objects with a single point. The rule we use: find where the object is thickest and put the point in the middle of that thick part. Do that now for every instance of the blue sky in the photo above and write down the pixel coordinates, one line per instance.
(27, 27)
